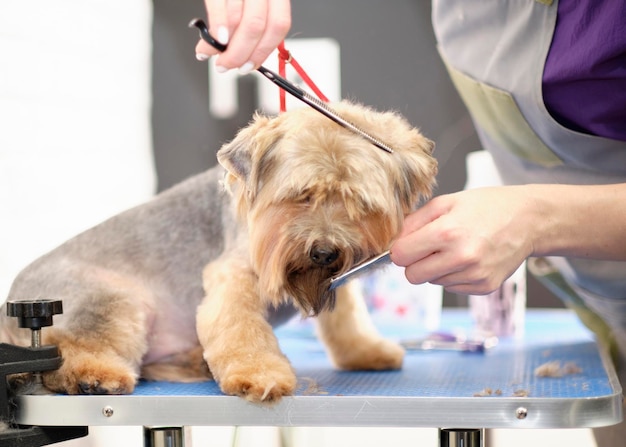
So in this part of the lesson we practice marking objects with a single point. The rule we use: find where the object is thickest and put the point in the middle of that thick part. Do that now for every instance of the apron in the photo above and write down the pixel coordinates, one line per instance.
(495, 51)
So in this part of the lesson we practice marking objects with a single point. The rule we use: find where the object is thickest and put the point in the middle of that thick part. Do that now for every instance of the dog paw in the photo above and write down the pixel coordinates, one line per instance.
(377, 355)
(265, 386)
(88, 374)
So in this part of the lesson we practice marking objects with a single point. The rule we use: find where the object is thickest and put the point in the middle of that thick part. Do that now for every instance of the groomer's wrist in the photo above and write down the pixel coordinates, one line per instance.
(546, 226)
(575, 221)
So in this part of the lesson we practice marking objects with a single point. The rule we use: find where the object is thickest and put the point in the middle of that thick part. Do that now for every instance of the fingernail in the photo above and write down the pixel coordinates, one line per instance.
(221, 69)
(202, 57)
(222, 35)
(246, 68)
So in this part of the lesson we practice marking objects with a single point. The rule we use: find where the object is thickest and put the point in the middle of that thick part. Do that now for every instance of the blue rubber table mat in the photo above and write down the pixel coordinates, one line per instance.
(437, 374)
(434, 388)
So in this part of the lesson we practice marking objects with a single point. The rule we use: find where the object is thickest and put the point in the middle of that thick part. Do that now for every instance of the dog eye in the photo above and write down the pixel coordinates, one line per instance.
(303, 198)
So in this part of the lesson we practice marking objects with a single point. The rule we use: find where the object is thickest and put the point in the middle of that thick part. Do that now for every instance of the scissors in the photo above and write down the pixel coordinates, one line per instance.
(443, 341)
(293, 90)
(360, 269)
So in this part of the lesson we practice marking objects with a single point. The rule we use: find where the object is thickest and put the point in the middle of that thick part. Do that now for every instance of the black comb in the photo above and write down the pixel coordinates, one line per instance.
(293, 90)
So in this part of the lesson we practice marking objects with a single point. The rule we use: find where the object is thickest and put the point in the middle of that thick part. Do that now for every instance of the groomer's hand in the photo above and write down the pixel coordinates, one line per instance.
(252, 29)
(469, 242)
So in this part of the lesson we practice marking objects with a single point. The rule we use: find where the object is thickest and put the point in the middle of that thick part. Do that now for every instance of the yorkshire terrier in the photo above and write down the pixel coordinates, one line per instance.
(189, 285)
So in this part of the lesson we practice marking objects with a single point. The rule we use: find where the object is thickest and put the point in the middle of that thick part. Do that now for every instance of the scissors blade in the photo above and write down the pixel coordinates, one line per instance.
(360, 269)
(295, 91)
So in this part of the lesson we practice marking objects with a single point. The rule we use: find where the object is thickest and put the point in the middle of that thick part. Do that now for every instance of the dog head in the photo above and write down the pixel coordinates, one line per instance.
(317, 198)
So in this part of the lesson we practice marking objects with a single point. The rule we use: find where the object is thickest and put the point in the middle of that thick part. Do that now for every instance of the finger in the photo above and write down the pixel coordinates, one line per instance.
(437, 269)
(432, 268)
(430, 211)
(218, 27)
(470, 288)
(455, 282)
(278, 25)
(218, 18)
(245, 37)
(204, 51)
(423, 240)
(473, 280)
(420, 235)
(234, 13)
(410, 249)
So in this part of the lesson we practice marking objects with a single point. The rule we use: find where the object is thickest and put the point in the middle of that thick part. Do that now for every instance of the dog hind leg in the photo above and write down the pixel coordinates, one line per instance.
(87, 371)
(101, 344)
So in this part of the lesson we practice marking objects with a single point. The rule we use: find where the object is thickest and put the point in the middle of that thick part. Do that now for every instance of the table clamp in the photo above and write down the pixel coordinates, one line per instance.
(35, 359)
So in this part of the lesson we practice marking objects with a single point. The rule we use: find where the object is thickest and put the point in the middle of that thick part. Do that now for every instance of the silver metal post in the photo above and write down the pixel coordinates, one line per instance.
(163, 437)
(35, 338)
(456, 437)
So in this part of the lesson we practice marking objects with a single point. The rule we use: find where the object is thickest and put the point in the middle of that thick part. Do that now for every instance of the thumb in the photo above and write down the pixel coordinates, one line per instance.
(416, 240)
(421, 217)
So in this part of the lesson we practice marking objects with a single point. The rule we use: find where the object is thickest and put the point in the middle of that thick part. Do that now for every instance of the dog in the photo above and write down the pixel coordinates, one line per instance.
(189, 285)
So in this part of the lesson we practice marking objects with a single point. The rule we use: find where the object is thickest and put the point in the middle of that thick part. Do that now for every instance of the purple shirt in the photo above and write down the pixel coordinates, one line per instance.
(584, 79)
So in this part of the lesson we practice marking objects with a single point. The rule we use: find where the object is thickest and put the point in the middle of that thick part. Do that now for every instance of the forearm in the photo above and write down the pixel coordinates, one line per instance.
(587, 221)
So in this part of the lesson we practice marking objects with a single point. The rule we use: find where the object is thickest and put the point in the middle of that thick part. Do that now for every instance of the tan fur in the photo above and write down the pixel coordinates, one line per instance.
(306, 200)
(350, 337)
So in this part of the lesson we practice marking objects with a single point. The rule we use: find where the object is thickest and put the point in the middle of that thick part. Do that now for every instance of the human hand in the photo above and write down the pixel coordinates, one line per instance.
(252, 29)
(469, 242)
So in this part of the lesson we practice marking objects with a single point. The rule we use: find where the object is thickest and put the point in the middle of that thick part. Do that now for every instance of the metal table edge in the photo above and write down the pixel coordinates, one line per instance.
(345, 411)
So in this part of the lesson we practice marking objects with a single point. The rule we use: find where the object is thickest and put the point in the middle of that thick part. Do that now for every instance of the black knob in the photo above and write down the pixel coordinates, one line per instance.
(34, 314)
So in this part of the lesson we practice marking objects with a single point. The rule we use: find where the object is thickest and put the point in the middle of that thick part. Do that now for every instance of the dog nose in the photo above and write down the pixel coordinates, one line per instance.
(323, 255)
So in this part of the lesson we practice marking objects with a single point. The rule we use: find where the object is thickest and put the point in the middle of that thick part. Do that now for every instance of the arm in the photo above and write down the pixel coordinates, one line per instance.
(471, 241)
(252, 30)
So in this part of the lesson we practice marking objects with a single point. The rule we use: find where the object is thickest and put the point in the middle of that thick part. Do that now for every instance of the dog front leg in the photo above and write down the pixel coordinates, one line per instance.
(352, 341)
(239, 345)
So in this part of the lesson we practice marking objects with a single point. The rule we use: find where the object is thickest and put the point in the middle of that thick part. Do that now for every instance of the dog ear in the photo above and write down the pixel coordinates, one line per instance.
(236, 156)
(418, 171)
(235, 159)
(242, 157)
(412, 164)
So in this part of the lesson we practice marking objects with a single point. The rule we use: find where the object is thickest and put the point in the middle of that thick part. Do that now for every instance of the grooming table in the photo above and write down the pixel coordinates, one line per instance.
(434, 388)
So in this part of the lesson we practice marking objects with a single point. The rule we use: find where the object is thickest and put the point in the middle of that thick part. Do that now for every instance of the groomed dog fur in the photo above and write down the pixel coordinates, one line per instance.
(187, 286)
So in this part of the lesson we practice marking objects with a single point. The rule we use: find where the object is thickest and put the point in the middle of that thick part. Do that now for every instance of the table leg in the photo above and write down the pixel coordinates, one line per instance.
(163, 437)
(458, 437)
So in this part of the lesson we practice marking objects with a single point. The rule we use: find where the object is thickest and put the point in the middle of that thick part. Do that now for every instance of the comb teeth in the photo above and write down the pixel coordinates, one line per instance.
(330, 113)
(360, 269)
